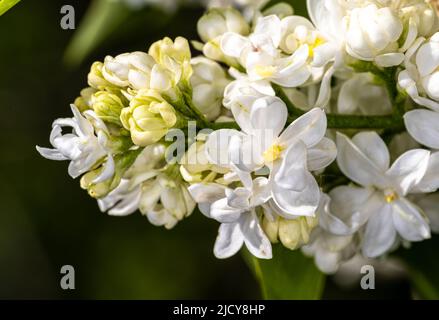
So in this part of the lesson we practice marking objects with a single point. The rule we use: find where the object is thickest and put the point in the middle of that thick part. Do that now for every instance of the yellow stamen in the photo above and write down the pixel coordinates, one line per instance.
(390, 197)
(265, 71)
(312, 46)
(273, 153)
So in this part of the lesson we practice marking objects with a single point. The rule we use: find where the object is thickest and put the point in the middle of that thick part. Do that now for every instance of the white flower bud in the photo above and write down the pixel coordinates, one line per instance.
(215, 22)
(208, 83)
(372, 34)
(129, 69)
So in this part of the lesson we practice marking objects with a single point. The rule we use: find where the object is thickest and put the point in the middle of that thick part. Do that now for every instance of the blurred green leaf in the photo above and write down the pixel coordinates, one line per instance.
(102, 18)
(423, 265)
(5, 5)
(288, 276)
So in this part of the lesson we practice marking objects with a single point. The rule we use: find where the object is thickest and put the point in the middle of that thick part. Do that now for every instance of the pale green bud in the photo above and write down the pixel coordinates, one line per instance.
(165, 49)
(148, 118)
(83, 102)
(292, 233)
(96, 79)
(174, 56)
(107, 106)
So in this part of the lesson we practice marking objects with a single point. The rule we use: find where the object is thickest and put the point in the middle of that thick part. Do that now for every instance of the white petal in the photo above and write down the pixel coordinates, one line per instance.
(254, 237)
(222, 212)
(430, 181)
(217, 146)
(107, 171)
(356, 165)
(321, 155)
(229, 240)
(374, 148)
(51, 154)
(310, 128)
(389, 59)
(347, 209)
(423, 126)
(291, 172)
(206, 192)
(380, 233)
(269, 114)
(325, 89)
(270, 25)
(232, 44)
(409, 222)
(303, 195)
(409, 169)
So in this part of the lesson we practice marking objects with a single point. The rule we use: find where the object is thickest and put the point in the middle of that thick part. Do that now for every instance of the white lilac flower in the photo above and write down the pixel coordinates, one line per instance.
(208, 83)
(380, 201)
(359, 95)
(260, 53)
(420, 79)
(374, 30)
(85, 146)
(160, 194)
(290, 154)
(330, 249)
(236, 210)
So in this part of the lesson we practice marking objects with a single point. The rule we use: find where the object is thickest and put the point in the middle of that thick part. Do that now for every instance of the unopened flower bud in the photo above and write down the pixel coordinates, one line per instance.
(149, 117)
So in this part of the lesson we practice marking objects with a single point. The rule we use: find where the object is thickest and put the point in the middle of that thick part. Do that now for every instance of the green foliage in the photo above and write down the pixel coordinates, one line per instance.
(5, 5)
(288, 276)
(423, 265)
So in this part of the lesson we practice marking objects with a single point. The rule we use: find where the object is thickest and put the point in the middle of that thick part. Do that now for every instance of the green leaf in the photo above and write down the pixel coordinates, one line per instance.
(288, 276)
(102, 18)
(423, 264)
(5, 5)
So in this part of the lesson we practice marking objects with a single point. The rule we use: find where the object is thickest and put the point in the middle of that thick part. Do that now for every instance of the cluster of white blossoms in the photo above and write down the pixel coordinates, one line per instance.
(316, 134)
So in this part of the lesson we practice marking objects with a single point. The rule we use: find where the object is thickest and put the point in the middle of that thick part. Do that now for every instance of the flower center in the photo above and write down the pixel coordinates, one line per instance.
(390, 196)
(265, 71)
(273, 153)
(312, 46)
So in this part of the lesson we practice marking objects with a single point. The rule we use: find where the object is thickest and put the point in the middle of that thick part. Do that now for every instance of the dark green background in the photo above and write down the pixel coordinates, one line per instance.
(47, 221)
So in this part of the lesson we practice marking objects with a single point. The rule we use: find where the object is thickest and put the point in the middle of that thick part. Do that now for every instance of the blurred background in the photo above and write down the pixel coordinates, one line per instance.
(47, 221)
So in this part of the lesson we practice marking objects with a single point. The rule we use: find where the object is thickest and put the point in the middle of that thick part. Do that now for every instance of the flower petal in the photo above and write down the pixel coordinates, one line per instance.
(347, 209)
(380, 234)
(232, 44)
(409, 222)
(409, 169)
(321, 155)
(423, 127)
(310, 128)
(229, 240)
(269, 114)
(254, 237)
(356, 165)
